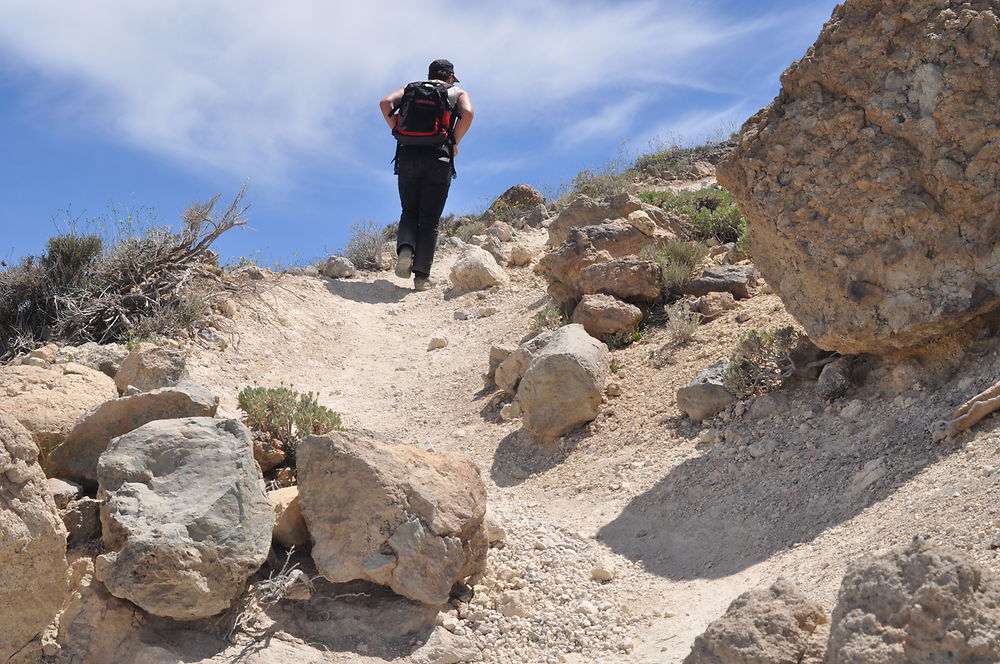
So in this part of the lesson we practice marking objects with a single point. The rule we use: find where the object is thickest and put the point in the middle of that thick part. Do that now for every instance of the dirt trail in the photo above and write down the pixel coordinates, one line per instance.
(689, 520)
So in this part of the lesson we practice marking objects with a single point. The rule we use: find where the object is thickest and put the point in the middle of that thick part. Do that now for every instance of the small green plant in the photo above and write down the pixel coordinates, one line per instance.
(709, 214)
(549, 317)
(284, 414)
(466, 231)
(677, 259)
(682, 322)
(364, 245)
(616, 366)
(760, 361)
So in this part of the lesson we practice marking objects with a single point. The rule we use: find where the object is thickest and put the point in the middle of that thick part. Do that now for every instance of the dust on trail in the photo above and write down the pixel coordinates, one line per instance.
(691, 520)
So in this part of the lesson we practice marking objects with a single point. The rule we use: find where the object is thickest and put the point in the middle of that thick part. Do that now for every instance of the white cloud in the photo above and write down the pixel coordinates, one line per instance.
(261, 86)
(613, 121)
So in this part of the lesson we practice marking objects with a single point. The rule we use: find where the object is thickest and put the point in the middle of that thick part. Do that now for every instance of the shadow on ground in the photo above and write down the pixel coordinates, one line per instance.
(519, 456)
(380, 291)
(734, 506)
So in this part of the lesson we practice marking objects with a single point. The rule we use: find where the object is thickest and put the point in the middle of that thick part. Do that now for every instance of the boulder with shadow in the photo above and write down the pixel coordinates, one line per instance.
(476, 269)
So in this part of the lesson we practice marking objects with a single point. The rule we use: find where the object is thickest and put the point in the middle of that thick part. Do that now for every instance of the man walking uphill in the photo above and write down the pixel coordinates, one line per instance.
(428, 119)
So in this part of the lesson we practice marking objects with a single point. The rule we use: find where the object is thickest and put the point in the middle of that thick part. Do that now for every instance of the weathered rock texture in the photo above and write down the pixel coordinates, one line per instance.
(149, 366)
(777, 625)
(289, 526)
(586, 211)
(32, 542)
(76, 458)
(916, 605)
(871, 182)
(631, 279)
(562, 387)
(511, 369)
(186, 517)
(477, 269)
(48, 401)
(605, 314)
(394, 515)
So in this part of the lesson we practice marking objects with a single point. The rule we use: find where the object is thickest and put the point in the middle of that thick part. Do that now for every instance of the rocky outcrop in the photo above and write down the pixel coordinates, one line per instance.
(185, 517)
(631, 279)
(916, 604)
(149, 366)
(48, 401)
(585, 211)
(76, 458)
(605, 314)
(476, 269)
(519, 197)
(32, 542)
(777, 625)
(394, 515)
(562, 387)
(588, 246)
(872, 182)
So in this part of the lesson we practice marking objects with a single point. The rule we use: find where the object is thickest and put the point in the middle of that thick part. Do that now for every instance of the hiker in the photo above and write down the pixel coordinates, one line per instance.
(428, 119)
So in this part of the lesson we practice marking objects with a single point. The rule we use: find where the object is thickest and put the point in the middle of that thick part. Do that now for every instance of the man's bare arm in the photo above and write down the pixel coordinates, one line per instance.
(463, 107)
(388, 104)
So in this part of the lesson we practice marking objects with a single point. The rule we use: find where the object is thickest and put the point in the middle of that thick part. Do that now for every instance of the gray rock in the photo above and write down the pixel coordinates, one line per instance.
(63, 491)
(82, 519)
(32, 542)
(105, 358)
(338, 267)
(777, 625)
(509, 372)
(149, 366)
(76, 458)
(584, 211)
(916, 604)
(537, 216)
(395, 515)
(835, 379)
(737, 280)
(186, 518)
(498, 353)
(562, 387)
(706, 395)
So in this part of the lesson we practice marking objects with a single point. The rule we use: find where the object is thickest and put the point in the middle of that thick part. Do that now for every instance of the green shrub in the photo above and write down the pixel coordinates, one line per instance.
(677, 259)
(466, 231)
(668, 158)
(709, 213)
(682, 322)
(550, 317)
(364, 245)
(286, 415)
(760, 361)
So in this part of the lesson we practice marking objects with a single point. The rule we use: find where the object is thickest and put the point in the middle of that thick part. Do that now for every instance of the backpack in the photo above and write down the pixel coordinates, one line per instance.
(425, 114)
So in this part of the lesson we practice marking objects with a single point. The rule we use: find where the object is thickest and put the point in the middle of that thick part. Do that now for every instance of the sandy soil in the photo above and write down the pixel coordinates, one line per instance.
(690, 515)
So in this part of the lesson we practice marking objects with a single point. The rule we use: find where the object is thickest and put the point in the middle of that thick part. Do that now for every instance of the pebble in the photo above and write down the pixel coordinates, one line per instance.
(436, 342)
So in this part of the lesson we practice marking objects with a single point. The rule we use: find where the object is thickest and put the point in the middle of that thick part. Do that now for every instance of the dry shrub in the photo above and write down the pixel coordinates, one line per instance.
(364, 245)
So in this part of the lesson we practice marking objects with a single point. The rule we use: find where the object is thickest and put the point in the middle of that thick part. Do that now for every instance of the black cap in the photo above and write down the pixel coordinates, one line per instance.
(441, 66)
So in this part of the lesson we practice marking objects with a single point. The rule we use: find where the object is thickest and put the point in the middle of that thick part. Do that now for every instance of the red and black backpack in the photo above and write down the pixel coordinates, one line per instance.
(425, 114)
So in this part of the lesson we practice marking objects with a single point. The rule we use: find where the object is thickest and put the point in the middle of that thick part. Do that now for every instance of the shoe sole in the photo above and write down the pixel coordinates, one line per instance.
(404, 266)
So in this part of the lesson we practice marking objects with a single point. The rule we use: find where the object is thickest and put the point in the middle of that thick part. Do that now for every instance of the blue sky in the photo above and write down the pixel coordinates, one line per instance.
(120, 103)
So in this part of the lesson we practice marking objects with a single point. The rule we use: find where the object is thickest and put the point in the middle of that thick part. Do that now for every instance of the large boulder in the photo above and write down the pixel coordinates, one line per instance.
(916, 604)
(32, 542)
(605, 314)
(185, 516)
(588, 246)
(776, 625)
(519, 197)
(630, 278)
(586, 211)
(76, 458)
(49, 400)
(476, 269)
(562, 387)
(394, 515)
(872, 182)
(508, 374)
(149, 366)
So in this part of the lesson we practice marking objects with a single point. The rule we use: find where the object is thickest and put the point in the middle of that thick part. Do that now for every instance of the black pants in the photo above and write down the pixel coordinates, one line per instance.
(424, 180)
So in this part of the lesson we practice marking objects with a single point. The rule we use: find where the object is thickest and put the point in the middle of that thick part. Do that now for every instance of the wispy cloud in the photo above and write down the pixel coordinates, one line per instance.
(254, 85)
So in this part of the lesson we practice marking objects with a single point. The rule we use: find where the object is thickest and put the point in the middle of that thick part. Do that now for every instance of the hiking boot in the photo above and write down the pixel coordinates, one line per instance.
(423, 283)
(404, 263)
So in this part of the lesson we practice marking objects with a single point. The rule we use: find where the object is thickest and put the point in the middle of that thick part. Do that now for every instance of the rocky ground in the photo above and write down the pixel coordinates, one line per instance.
(624, 540)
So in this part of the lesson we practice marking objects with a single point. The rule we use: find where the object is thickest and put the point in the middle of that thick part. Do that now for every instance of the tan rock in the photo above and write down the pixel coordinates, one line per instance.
(289, 526)
(872, 182)
(584, 211)
(48, 401)
(522, 254)
(149, 366)
(392, 514)
(47, 353)
(643, 222)
(477, 269)
(562, 387)
(605, 314)
(501, 230)
(509, 372)
(777, 625)
(631, 279)
(713, 305)
(32, 542)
